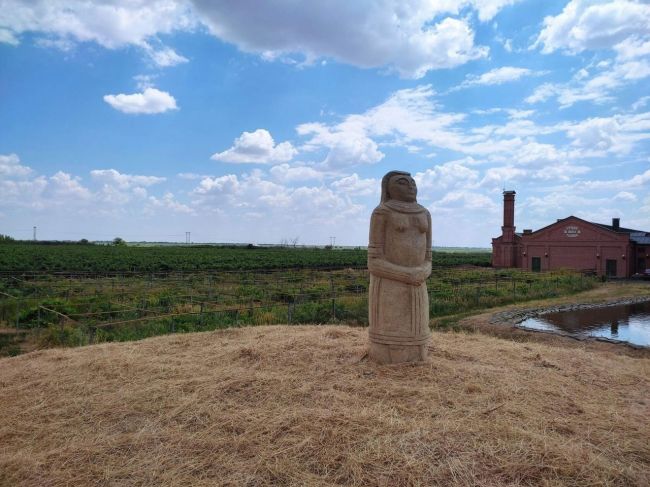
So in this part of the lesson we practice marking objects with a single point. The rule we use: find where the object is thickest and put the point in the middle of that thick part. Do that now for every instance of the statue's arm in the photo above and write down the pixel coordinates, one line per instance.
(427, 254)
(377, 263)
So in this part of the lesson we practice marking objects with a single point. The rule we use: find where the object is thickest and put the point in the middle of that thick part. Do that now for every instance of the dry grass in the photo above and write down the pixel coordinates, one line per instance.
(296, 406)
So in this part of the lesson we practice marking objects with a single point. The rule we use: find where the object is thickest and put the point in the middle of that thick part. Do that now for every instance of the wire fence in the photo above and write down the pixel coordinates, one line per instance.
(74, 308)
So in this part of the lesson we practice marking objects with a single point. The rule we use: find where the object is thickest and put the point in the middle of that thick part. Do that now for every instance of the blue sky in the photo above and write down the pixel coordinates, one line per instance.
(269, 121)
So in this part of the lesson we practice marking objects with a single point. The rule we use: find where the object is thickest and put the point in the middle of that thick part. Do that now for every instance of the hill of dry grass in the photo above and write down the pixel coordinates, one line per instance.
(299, 406)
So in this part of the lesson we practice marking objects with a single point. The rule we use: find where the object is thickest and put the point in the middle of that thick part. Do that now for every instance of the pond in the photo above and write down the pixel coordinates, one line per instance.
(626, 322)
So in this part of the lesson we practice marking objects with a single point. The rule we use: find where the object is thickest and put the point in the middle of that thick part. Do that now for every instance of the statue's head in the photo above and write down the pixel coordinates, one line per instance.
(398, 185)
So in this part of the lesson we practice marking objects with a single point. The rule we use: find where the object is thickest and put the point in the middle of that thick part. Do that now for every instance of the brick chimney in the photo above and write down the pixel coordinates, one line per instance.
(508, 228)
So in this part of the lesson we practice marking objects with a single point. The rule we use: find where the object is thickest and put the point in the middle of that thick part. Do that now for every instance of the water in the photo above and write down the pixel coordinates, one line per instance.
(629, 322)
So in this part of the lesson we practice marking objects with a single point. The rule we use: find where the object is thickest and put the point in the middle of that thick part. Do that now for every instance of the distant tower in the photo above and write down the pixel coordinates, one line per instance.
(34, 233)
(187, 237)
(506, 247)
(508, 228)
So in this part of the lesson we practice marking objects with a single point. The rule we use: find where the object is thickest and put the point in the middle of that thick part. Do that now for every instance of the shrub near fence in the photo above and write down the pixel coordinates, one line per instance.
(89, 308)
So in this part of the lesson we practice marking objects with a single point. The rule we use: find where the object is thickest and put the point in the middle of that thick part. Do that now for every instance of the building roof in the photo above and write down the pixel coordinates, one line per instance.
(638, 236)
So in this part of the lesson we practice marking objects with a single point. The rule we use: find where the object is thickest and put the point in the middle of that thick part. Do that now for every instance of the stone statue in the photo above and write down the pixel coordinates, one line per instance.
(399, 261)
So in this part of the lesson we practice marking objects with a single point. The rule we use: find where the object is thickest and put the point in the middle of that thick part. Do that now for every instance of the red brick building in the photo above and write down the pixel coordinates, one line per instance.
(571, 243)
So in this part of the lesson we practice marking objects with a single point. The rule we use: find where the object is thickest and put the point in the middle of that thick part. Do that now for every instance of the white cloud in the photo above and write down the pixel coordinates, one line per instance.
(23, 193)
(599, 136)
(588, 25)
(167, 202)
(256, 147)
(625, 196)
(348, 143)
(150, 101)
(353, 185)
(64, 187)
(165, 57)
(401, 34)
(407, 116)
(638, 181)
(409, 36)
(8, 37)
(228, 184)
(488, 9)
(597, 89)
(497, 76)
(466, 200)
(10, 166)
(124, 181)
(449, 175)
(640, 103)
(287, 173)
(192, 176)
(111, 24)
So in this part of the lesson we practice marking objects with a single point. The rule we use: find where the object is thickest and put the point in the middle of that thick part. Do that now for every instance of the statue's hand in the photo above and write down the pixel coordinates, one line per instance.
(421, 274)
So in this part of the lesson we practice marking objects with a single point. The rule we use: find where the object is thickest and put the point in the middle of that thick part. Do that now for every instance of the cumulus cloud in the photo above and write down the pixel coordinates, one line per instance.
(410, 36)
(588, 25)
(112, 24)
(256, 147)
(167, 202)
(150, 101)
(402, 34)
(65, 186)
(353, 185)
(10, 166)
(449, 175)
(599, 136)
(287, 173)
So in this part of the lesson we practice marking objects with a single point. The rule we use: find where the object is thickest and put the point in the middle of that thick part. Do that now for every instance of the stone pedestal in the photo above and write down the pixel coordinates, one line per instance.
(396, 354)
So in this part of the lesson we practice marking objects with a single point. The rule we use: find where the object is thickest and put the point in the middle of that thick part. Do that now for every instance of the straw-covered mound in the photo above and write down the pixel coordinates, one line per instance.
(301, 406)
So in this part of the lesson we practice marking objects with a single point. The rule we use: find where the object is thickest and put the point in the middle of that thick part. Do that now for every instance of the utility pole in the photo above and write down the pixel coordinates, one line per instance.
(332, 241)
(34, 233)
(187, 237)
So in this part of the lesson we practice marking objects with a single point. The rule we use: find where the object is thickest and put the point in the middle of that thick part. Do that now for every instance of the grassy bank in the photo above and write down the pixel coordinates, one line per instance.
(300, 406)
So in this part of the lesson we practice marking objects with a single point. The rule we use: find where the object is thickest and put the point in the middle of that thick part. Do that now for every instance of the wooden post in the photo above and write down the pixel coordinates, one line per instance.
(333, 295)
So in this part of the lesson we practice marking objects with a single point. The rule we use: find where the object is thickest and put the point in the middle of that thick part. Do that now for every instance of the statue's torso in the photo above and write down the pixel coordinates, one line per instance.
(406, 238)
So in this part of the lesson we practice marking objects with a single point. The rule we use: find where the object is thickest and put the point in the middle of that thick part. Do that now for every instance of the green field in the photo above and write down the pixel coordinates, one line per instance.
(70, 295)
(35, 257)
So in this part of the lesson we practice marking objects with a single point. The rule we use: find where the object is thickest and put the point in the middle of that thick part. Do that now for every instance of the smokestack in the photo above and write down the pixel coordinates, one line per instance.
(509, 208)
(508, 228)
(616, 224)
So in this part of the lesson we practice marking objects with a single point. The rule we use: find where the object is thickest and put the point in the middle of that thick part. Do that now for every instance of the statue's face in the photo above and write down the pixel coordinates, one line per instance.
(402, 188)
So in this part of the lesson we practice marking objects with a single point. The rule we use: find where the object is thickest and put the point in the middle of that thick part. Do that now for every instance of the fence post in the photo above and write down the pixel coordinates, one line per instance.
(201, 315)
(514, 288)
(333, 295)
(289, 312)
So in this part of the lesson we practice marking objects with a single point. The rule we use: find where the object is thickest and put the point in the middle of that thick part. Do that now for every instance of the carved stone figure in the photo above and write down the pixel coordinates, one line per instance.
(399, 261)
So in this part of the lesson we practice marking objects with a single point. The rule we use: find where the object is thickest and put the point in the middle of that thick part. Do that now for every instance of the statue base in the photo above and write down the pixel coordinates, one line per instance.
(384, 354)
